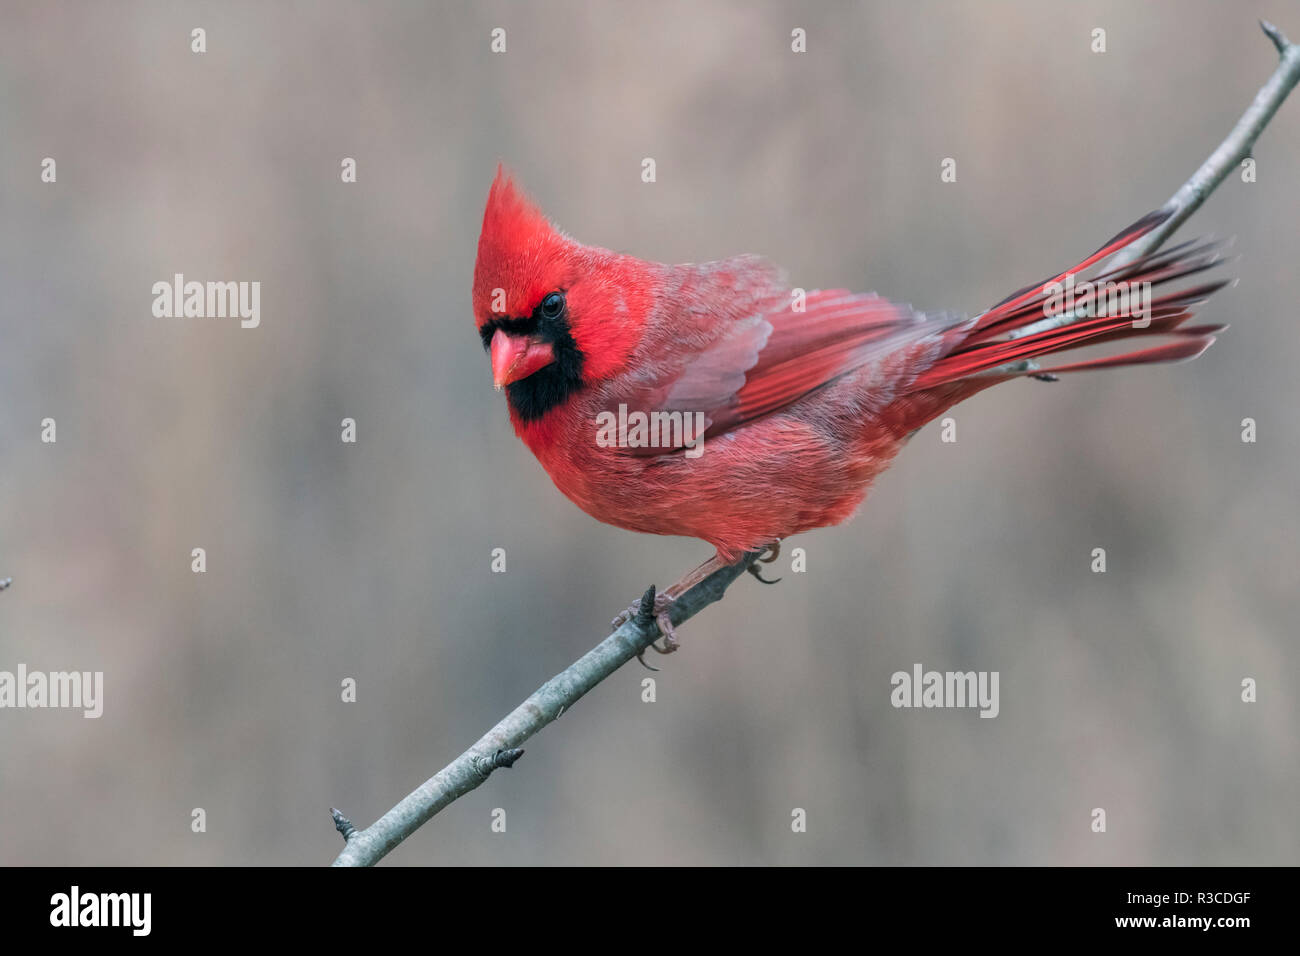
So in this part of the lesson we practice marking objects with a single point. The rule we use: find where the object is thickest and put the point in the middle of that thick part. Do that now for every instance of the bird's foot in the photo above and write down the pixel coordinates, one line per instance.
(652, 606)
(773, 551)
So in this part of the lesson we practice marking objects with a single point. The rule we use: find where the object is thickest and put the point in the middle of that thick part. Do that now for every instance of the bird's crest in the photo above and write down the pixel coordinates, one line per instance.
(516, 241)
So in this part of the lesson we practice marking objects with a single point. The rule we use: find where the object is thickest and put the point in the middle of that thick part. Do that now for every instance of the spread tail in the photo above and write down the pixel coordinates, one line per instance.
(1066, 312)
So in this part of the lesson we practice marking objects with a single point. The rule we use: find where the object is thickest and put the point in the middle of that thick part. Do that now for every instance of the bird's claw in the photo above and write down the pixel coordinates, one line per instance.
(659, 605)
(670, 635)
(771, 553)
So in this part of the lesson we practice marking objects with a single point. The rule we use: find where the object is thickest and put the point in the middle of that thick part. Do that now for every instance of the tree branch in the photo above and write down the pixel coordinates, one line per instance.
(1229, 154)
(500, 746)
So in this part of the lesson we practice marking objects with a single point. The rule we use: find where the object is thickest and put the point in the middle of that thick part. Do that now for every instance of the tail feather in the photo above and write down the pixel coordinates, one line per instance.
(1121, 239)
(1158, 269)
(1112, 305)
(1177, 351)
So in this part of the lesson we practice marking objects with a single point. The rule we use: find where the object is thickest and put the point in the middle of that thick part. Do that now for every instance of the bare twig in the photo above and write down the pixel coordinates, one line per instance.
(500, 746)
(342, 824)
(1227, 156)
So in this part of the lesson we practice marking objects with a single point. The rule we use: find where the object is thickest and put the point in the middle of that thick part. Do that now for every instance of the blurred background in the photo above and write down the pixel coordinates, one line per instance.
(371, 561)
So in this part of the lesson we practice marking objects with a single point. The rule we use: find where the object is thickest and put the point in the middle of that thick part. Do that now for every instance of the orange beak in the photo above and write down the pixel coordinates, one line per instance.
(517, 356)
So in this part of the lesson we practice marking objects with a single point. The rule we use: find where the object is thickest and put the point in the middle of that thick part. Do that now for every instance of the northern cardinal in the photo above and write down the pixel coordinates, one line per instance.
(803, 401)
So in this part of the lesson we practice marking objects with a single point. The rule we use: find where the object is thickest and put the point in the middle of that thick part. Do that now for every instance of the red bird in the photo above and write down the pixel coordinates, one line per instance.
(801, 400)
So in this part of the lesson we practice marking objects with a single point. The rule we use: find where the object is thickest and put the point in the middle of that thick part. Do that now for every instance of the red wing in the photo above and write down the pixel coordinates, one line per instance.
(837, 333)
(759, 362)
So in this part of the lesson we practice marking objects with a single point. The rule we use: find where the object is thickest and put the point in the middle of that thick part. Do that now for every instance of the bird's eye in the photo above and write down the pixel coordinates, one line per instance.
(553, 305)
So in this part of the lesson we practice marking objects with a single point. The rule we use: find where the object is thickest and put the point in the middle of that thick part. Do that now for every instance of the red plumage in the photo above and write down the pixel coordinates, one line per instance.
(803, 407)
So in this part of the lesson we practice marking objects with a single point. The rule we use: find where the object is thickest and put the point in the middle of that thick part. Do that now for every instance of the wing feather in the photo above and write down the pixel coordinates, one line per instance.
(765, 349)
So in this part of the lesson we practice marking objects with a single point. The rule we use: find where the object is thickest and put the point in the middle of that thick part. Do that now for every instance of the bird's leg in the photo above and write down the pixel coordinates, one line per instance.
(659, 605)
(659, 611)
(663, 601)
(665, 598)
(774, 552)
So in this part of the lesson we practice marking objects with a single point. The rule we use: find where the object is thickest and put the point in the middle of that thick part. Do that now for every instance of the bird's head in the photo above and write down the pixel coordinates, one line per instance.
(555, 315)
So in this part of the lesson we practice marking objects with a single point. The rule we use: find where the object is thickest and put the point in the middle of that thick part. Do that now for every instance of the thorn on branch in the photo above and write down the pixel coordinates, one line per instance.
(343, 825)
(645, 614)
(484, 765)
(1277, 36)
(507, 758)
